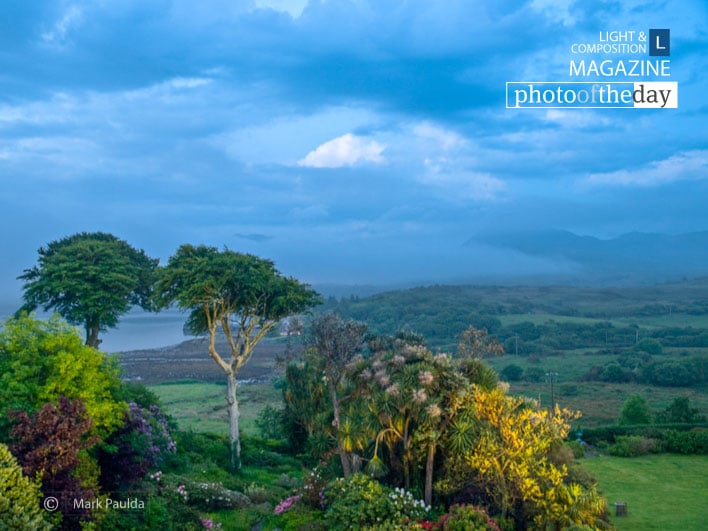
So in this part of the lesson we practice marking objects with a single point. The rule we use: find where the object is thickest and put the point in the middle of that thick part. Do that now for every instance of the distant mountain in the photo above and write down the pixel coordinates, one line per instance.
(635, 256)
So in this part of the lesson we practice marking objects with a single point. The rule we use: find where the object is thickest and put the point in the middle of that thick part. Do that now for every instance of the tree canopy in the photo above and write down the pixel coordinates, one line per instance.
(90, 279)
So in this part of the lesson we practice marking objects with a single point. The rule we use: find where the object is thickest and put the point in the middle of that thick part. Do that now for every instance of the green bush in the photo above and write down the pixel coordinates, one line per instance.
(19, 497)
(686, 442)
(634, 445)
(466, 518)
(361, 501)
(512, 373)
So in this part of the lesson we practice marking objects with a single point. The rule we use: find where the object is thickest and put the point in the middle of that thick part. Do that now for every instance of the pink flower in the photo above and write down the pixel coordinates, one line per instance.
(286, 504)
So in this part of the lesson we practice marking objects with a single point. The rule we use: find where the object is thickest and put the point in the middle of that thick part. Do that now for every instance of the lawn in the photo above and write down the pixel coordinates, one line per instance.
(662, 492)
(202, 406)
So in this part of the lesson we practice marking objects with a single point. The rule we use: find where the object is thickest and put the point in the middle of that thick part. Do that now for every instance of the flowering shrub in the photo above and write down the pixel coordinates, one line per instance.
(286, 504)
(182, 491)
(208, 523)
(154, 439)
(360, 501)
(466, 518)
(214, 496)
(313, 489)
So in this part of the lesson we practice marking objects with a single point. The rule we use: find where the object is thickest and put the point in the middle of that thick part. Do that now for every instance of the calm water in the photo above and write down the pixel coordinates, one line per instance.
(139, 329)
(136, 329)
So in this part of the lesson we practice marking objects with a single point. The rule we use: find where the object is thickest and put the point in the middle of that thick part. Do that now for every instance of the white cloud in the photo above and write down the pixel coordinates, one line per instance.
(461, 184)
(346, 150)
(71, 18)
(445, 138)
(685, 165)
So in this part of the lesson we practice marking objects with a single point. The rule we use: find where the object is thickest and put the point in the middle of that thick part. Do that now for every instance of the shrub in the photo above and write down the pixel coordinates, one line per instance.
(634, 446)
(650, 346)
(270, 423)
(466, 518)
(635, 411)
(680, 411)
(214, 496)
(49, 445)
(686, 442)
(512, 373)
(19, 497)
(360, 501)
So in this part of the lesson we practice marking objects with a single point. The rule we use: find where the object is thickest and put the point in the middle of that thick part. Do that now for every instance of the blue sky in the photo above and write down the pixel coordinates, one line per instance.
(350, 141)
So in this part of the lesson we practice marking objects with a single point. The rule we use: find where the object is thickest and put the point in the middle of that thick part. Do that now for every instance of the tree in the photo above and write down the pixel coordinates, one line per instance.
(19, 497)
(476, 343)
(680, 411)
(51, 448)
(220, 286)
(635, 411)
(91, 279)
(43, 360)
(336, 344)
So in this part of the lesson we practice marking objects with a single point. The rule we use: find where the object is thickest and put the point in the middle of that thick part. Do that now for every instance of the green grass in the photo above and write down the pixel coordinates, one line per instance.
(202, 406)
(662, 492)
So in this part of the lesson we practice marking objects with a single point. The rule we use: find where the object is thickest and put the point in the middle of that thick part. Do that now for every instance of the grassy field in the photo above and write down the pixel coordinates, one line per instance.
(202, 406)
(662, 492)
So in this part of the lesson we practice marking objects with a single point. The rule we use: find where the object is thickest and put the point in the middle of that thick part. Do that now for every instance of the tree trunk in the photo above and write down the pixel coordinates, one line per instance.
(92, 335)
(346, 467)
(429, 465)
(234, 439)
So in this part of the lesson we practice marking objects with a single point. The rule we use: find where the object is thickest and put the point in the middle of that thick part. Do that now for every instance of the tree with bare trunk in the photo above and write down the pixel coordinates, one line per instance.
(242, 295)
(336, 343)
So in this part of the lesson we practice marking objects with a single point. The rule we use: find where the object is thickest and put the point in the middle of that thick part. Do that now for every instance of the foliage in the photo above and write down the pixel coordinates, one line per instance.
(42, 360)
(676, 373)
(686, 442)
(477, 344)
(635, 411)
(634, 445)
(680, 410)
(91, 279)
(218, 286)
(335, 345)
(360, 501)
(213, 495)
(142, 443)
(650, 346)
(270, 423)
(460, 517)
(49, 447)
(512, 373)
(19, 497)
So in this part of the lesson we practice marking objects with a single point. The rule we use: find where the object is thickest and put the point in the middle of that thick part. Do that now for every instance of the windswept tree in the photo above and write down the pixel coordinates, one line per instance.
(90, 279)
(243, 295)
(336, 344)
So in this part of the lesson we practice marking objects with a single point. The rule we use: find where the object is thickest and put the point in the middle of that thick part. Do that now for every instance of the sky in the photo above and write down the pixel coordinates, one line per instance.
(350, 141)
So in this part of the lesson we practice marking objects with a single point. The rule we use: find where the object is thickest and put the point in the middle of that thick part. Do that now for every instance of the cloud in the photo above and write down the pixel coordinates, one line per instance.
(254, 237)
(558, 11)
(58, 34)
(446, 139)
(466, 185)
(293, 7)
(686, 165)
(346, 150)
